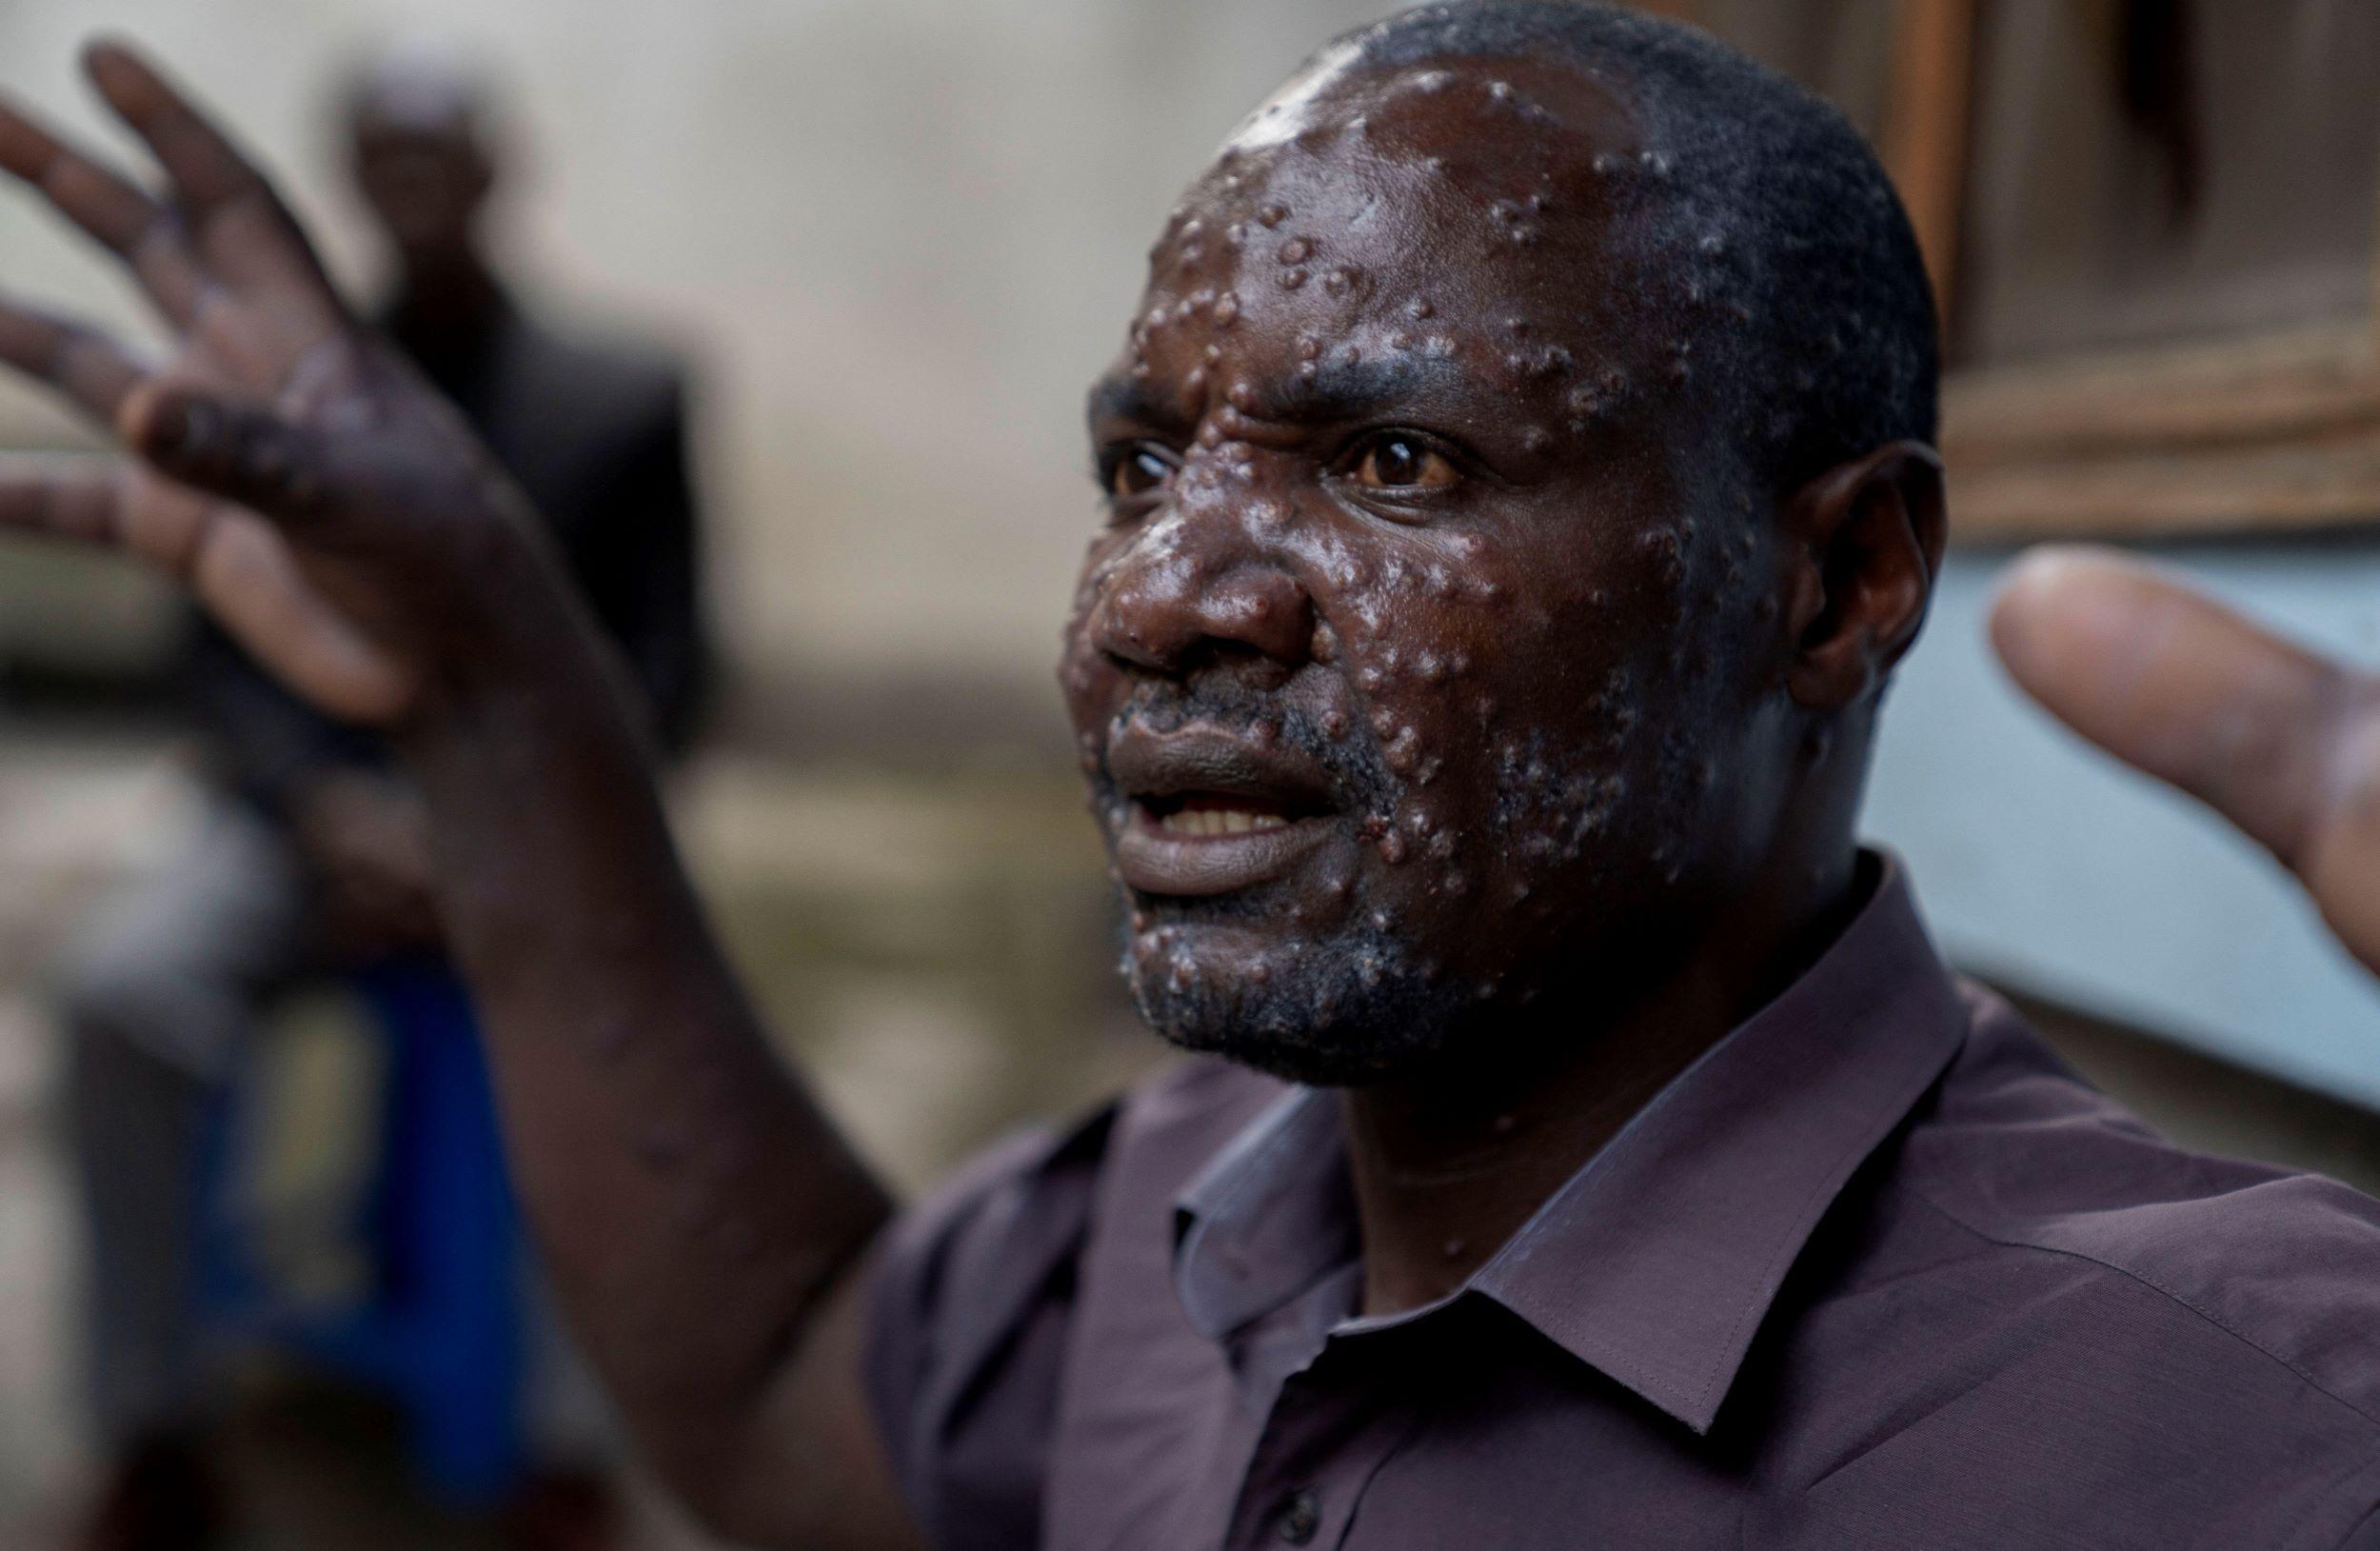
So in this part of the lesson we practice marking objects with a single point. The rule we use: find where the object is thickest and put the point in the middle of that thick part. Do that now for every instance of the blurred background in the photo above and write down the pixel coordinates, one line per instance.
(890, 243)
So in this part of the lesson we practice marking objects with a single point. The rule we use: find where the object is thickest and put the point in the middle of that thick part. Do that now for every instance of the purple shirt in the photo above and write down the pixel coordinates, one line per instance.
(1877, 1271)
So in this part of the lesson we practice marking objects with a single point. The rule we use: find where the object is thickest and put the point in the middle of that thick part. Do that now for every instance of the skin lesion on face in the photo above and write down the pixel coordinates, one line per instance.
(1401, 670)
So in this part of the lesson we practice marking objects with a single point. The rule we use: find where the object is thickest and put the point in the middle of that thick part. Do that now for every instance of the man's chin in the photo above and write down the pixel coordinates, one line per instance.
(1340, 1014)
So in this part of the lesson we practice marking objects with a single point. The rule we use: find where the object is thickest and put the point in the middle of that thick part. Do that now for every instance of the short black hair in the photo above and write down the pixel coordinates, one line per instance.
(1787, 263)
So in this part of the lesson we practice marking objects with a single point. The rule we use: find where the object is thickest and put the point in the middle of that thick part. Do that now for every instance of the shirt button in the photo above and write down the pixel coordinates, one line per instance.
(1299, 1518)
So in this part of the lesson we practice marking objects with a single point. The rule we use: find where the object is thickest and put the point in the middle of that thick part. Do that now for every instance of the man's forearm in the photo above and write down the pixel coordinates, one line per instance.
(691, 1200)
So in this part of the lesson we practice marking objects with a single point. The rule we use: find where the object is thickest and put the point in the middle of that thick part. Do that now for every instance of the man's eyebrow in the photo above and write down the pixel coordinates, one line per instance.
(1327, 388)
(1340, 389)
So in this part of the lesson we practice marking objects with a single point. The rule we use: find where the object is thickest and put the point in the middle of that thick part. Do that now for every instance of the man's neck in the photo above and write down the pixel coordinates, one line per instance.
(1448, 1166)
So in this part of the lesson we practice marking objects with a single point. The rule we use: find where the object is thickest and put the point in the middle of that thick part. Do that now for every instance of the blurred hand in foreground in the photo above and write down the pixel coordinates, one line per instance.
(325, 505)
(2282, 742)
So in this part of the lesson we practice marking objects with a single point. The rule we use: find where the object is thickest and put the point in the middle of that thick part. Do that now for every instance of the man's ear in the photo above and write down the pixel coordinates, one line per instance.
(1864, 545)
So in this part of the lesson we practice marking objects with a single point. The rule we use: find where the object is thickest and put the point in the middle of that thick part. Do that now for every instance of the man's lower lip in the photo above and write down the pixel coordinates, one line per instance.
(1158, 861)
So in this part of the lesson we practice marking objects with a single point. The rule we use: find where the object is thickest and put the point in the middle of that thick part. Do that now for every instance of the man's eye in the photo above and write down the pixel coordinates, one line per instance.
(1139, 470)
(1402, 463)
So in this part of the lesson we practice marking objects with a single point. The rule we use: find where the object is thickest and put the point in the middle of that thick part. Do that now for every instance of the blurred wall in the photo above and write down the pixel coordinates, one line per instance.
(902, 235)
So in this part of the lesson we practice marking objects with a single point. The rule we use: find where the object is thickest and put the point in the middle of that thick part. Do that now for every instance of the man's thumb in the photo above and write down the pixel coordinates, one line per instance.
(239, 450)
(2172, 683)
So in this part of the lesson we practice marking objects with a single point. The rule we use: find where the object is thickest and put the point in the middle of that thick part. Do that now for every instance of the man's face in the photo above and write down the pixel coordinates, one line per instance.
(423, 181)
(1413, 664)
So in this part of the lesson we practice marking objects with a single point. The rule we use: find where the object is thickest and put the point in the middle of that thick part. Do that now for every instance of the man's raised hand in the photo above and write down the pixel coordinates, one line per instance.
(323, 504)
(2283, 742)
(337, 517)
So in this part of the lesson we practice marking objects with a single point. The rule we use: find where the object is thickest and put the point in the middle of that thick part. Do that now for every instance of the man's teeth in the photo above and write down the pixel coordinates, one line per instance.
(1217, 821)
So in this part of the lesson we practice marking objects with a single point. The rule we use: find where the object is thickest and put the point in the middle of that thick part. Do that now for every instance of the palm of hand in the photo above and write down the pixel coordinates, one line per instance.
(319, 499)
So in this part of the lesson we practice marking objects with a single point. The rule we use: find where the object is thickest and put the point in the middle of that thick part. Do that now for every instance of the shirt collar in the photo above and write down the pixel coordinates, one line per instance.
(1268, 1217)
(1656, 1261)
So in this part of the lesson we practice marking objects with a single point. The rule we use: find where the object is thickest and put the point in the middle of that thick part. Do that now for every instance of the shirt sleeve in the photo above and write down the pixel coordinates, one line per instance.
(969, 1302)
(2366, 1535)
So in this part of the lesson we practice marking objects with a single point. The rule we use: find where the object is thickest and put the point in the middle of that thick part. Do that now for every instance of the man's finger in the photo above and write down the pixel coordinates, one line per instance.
(239, 451)
(78, 499)
(244, 230)
(2170, 681)
(250, 581)
(79, 362)
(206, 172)
(108, 207)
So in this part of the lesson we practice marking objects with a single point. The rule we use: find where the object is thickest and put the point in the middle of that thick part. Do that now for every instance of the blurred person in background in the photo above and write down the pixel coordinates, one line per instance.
(315, 852)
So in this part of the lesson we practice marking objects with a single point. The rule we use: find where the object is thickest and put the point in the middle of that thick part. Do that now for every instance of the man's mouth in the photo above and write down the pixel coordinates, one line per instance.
(1214, 810)
(1212, 813)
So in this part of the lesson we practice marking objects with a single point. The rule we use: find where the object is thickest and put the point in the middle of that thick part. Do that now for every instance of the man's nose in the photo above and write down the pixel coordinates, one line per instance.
(1166, 604)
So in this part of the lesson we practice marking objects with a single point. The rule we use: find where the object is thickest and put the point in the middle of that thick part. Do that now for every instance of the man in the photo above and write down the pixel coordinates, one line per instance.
(318, 855)
(1520, 494)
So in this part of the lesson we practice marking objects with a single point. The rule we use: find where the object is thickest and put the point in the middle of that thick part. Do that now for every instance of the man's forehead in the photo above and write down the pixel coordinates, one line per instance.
(1401, 199)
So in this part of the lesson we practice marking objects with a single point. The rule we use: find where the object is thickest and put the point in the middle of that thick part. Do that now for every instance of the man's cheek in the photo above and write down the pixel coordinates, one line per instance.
(1420, 690)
